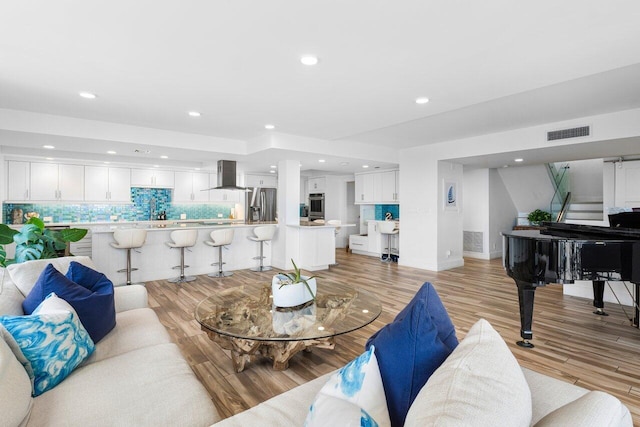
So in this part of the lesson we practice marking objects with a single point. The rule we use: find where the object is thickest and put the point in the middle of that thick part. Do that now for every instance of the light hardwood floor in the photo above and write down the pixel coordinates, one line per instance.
(571, 343)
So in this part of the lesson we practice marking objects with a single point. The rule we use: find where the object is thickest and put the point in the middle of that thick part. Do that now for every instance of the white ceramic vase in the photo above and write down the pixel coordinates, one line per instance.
(292, 295)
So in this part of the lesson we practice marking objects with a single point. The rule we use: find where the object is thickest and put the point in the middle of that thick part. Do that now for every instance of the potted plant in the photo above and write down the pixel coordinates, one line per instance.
(34, 241)
(293, 289)
(537, 216)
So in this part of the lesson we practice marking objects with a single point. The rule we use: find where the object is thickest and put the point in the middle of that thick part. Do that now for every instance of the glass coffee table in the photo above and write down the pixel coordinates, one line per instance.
(244, 321)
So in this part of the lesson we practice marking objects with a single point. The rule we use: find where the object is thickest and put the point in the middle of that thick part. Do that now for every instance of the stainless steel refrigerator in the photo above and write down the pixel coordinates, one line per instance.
(261, 205)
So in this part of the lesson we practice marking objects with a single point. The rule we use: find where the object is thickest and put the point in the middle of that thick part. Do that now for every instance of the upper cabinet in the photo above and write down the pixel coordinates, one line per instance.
(258, 180)
(152, 178)
(18, 181)
(105, 184)
(189, 187)
(317, 184)
(377, 187)
(57, 182)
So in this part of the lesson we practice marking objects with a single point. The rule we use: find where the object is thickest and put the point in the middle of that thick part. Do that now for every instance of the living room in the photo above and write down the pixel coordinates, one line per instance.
(498, 78)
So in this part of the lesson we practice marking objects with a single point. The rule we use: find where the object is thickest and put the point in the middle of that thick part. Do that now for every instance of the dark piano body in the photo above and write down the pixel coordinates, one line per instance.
(562, 253)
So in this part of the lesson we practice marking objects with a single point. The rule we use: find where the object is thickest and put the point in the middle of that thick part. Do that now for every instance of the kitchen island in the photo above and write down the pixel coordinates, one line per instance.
(156, 260)
(316, 244)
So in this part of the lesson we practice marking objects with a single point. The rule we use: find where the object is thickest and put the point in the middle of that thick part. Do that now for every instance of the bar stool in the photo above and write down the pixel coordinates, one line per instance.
(387, 228)
(220, 238)
(129, 238)
(182, 239)
(262, 234)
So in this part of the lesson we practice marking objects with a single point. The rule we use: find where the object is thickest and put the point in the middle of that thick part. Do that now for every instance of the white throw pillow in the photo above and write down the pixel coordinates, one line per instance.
(353, 396)
(25, 274)
(480, 384)
(594, 409)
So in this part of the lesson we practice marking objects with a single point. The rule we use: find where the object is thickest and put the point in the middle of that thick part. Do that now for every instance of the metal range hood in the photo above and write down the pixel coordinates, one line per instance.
(227, 176)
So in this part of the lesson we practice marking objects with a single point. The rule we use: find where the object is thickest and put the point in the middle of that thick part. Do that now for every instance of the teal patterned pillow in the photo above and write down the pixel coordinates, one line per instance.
(52, 339)
(354, 395)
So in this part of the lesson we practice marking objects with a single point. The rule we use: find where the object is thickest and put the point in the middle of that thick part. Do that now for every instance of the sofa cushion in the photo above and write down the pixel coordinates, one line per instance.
(359, 383)
(15, 389)
(411, 348)
(152, 386)
(10, 297)
(135, 329)
(480, 383)
(91, 297)
(25, 274)
(594, 409)
(52, 339)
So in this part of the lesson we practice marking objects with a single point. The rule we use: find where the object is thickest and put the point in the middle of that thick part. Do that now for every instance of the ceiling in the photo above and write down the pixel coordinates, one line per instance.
(485, 66)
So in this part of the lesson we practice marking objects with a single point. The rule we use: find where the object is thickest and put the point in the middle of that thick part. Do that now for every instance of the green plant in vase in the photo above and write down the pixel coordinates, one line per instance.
(537, 216)
(34, 241)
(295, 277)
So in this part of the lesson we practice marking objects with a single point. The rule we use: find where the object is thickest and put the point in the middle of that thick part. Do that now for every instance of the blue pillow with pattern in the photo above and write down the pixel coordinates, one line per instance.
(354, 395)
(52, 339)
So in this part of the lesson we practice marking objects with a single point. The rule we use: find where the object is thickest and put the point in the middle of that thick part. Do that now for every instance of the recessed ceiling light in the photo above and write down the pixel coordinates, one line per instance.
(194, 114)
(88, 95)
(269, 127)
(344, 163)
(156, 166)
(518, 160)
(197, 169)
(422, 100)
(365, 166)
(48, 147)
(321, 160)
(309, 60)
(273, 166)
(111, 152)
(49, 158)
(106, 163)
(164, 157)
(272, 171)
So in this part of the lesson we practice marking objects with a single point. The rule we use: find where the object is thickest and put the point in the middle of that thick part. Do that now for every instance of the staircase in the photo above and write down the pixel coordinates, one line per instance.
(585, 211)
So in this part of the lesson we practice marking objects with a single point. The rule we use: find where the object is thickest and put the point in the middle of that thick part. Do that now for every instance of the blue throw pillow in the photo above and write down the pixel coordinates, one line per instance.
(52, 339)
(90, 294)
(411, 348)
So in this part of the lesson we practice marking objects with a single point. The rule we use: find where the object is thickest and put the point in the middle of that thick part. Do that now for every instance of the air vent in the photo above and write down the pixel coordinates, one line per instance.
(472, 241)
(568, 133)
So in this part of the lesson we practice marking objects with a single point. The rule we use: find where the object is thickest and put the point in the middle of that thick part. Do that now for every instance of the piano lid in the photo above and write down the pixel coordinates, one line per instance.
(579, 231)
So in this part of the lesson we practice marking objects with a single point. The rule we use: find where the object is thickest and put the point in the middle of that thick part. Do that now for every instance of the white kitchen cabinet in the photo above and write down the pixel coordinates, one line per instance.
(152, 178)
(377, 187)
(18, 181)
(231, 196)
(317, 184)
(105, 184)
(373, 237)
(260, 180)
(188, 186)
(59, 182)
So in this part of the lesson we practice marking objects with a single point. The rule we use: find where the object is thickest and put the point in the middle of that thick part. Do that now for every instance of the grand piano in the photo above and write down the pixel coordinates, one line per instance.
(562, 253)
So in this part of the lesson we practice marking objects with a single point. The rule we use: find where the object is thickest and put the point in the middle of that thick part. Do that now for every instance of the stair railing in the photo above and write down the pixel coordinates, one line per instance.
(565, 207)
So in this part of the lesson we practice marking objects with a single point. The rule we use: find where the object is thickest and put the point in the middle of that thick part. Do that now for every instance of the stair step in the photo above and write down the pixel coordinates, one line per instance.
(585, 215)
(586, 206)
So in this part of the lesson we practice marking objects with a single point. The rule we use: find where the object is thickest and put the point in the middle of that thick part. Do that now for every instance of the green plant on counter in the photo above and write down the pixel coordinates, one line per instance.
(537, 216)
(295, 277)
(34, 241)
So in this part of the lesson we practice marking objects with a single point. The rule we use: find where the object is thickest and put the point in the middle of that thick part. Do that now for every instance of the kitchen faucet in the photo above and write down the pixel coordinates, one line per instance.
(152, 209)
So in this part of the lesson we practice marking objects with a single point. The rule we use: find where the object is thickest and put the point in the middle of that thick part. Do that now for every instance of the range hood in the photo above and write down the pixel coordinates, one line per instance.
(227, 176)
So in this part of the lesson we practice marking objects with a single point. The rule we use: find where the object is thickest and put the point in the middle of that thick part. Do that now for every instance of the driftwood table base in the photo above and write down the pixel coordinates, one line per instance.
(243, 350)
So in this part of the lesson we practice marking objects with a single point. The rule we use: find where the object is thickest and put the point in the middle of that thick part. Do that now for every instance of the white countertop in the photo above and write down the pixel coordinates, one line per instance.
(177, 225)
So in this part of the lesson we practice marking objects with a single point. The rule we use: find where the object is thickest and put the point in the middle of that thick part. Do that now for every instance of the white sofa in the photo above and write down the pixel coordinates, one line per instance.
(135, 377)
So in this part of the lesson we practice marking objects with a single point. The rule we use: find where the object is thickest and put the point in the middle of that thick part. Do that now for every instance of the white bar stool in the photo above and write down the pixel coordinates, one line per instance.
(129, 238)
(387, 228)
(262, 234)
(220, 238)
(182, 239)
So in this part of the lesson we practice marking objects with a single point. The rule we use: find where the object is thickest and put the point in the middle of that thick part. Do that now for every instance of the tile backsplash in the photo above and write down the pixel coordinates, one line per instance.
(139, 210)
(381, 210)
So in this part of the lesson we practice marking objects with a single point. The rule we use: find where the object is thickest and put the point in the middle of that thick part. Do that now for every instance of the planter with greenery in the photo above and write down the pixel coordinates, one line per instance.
(537, 216)
(34, 241)
(293, 289)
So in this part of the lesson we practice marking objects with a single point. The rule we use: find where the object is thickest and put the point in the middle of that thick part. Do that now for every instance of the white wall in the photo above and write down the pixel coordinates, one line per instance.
(431, 232)
(502, 213)
(586, 180)
(530, 187)
(336, 205)
(627, 183)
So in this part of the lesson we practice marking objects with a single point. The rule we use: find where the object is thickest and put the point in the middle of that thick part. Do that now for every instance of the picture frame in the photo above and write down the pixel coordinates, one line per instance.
(450, 195)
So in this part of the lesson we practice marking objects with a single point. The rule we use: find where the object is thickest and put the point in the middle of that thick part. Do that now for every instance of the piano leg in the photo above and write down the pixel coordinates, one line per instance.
(598, 297)
(526, 294)
(636, 320)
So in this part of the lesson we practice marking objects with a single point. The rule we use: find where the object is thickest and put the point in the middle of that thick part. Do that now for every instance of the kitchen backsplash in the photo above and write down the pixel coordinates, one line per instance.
(139, 210)
(381, 210)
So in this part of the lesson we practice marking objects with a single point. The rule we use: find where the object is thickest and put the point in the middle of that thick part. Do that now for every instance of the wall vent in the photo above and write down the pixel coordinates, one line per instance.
(473, 241)
(568, 133)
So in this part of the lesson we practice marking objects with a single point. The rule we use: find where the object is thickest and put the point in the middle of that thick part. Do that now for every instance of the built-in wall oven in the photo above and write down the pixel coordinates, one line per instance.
(316, 206)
